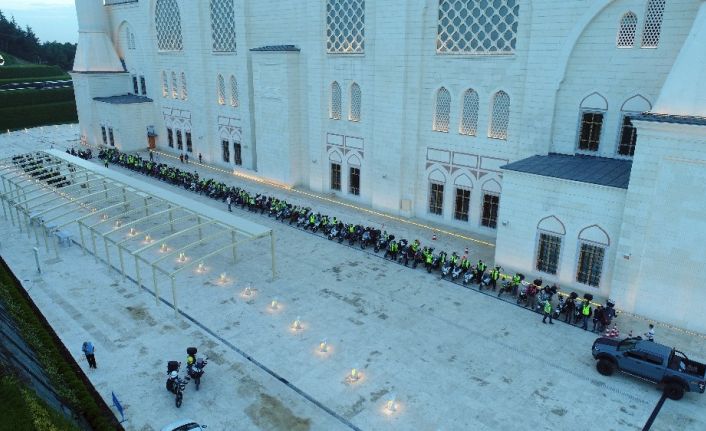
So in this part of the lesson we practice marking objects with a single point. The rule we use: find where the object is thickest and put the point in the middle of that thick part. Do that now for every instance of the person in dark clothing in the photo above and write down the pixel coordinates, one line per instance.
(181, 158)
(200, 158)
(598, 317)
(151, 156)
(89, 351)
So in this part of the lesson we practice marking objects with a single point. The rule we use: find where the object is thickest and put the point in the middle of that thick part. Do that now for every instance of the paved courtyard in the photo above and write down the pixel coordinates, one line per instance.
(456, 359)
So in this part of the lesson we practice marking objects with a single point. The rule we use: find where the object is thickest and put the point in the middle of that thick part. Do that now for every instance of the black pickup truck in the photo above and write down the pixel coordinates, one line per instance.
(667, 367)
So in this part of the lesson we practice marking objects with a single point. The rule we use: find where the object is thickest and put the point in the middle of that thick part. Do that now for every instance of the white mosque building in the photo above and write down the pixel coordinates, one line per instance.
(573, 131)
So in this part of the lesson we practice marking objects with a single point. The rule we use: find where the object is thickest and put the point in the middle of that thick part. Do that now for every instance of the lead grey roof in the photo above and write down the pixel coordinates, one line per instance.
(276, 48)
(669, 118)
(577, 167)
(123, 99)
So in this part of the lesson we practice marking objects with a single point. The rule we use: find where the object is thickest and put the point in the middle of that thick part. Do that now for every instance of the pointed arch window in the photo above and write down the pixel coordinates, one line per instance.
(167, 21)
(175, 86)
(626, 32)
(500, 118)
(221, 90)
(335, 105)
(442, 111)
(653, 23)
(469, 116)
(184, 89)
(354, 111)
(165, 85)
(223, 25)
(234, 97)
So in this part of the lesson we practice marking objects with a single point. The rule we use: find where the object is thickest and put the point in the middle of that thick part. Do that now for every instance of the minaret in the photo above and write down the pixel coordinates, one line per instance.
(95, 52)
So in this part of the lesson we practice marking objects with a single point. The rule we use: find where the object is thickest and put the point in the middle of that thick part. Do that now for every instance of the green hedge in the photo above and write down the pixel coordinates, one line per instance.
(66, 376)
(29, 412)
(37, 115)
(15, 99)
(34, 71)
(43, 78)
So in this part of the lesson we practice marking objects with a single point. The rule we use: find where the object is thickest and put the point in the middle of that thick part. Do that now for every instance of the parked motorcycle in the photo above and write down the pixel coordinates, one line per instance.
(174, 384)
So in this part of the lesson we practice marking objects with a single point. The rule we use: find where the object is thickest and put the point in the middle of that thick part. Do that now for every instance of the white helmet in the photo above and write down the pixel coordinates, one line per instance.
(173, 374)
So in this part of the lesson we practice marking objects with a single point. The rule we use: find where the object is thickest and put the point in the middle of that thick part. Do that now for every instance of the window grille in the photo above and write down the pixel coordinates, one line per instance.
(175, 86)
(469, 116)
(354, 182)
(104, 135)
(436, 198)
(132, 40)
(180, 143)
(548, 249)
(463, 199)
(170, 137)
(237, 154)
(135, 86)
(234, 97)
(480, 27)
(628, 137)
(335, 108)
(653, 23)
(221, 91)
(354, 111)
(225, 145)
(143, 85)
(165, 85)
(626, 32)
(500, 119)
(335, 176)
(345, 26)
(590, 134)
(442, 112)
(184, 89)
(590, 265)
(490, 210)
(168, 24)
(189, 145)
(223, 25)
(111, 137)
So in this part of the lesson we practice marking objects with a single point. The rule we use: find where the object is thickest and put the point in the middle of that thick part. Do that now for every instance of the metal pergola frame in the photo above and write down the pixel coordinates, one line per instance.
(121, 198)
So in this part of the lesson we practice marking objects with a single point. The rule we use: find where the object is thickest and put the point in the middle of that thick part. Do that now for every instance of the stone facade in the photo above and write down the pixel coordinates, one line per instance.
(564, 57)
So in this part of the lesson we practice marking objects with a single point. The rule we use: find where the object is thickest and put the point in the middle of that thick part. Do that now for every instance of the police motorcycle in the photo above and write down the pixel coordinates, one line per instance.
(195, 366)
(175, 384)
(366, 238)
(468, 276)
(381, 243)
(446, 268)
(335, 231)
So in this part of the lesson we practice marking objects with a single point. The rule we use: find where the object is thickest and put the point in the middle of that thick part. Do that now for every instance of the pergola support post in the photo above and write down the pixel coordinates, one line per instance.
(232, 236)
(154, 283)
(137, 272)
(174, 296)
(171, 220)
(272, 250)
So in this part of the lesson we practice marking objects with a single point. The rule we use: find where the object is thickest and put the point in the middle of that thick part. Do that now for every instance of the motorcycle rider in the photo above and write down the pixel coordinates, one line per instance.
(494, 276)
(516, 280)
(480, 270)
(465, 263)
(454, 259)
(428, 258)
(392, 248)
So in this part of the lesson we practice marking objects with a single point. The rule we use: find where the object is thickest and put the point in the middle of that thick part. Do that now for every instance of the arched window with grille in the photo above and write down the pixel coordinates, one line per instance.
(221, 90)
(469, 116)
(442, 110)
(175, 86)
(234, 97)
(223, 25)
(184, 90)
(626, 31)
(165, 85)
(500, 118)
(167, 21)
(354, 111)
(653, 23)
(335, 105)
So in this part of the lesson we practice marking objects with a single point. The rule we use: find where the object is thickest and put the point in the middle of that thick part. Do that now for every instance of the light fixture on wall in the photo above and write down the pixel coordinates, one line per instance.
(505, 222)
(627, 256)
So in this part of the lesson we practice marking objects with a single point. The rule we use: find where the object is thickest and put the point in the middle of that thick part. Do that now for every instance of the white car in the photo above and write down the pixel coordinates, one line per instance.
(183, 425)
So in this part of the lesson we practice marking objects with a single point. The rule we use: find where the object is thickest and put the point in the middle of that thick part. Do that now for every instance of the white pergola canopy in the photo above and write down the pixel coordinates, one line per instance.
(51, 192)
